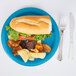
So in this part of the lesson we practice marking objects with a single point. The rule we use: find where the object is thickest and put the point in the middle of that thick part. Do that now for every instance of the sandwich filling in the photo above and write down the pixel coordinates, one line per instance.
(22, 36)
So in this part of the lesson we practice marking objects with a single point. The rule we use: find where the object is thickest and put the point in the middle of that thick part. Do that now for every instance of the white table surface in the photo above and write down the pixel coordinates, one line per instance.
(53, 67)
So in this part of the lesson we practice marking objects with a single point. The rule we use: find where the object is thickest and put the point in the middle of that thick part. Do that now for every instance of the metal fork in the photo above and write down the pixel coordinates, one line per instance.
(61, 28)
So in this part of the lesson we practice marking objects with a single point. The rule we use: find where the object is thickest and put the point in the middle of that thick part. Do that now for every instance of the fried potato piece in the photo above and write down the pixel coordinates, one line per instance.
(37, 55)
(16, 49)
(12, 43)
(46, 48)
(24, 53)
(39, 47)
(28, 55)
(23, 44)
(31, 44)
(9, 44)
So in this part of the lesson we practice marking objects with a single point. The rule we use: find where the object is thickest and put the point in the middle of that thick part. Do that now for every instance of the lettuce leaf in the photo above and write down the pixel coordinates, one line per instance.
(41, 36)
(14, 34)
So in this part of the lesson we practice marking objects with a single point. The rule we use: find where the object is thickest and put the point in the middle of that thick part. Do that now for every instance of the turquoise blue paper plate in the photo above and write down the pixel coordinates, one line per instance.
(52, 41)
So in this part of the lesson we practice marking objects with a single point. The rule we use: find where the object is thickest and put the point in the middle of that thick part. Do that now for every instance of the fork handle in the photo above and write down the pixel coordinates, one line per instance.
(60, 46)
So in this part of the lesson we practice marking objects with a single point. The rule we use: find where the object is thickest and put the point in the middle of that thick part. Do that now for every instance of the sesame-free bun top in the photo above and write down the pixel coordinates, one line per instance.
(32, 24)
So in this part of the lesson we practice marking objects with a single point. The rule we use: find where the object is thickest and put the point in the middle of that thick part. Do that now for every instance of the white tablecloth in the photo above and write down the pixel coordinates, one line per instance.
(53, 67)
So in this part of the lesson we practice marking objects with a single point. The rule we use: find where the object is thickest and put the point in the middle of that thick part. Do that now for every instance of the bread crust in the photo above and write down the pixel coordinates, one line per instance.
(32, 24)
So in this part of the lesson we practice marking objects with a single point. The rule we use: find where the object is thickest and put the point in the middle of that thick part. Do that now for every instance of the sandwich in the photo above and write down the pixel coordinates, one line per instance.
(29, 27)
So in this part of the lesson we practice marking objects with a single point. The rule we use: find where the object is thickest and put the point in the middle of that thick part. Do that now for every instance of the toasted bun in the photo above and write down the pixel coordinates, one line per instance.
(32, 24)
